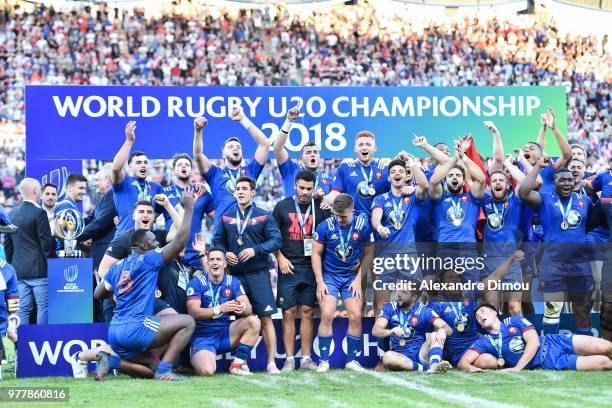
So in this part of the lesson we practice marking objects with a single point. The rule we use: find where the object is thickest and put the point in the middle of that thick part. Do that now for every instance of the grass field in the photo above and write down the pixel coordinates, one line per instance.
(339, 388)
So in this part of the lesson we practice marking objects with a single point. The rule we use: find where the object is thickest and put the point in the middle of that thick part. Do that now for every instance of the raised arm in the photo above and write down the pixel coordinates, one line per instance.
(263, 144)
(566, 150)
(435, 182)
(117, 173)
(171, 250)
(477, 185)
(498, 147)
(281, 138)
(515, 172)
(503, 269)
(422, 185)
(542, 133)
(198, 145)
(439, 156)
(526, 189)
(177, 219)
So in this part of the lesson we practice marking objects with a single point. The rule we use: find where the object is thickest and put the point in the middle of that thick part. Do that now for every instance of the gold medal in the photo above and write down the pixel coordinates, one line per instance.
(158, 293)
(564, 225)
(240, 241)
(402, 342)
(397, 225)
(460, 327)
(501, 362)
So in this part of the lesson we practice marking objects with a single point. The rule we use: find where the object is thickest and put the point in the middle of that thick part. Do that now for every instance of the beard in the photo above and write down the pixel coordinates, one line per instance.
(233, 161)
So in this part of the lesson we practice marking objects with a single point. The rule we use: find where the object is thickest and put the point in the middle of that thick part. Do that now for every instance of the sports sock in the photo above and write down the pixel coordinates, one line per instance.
(243, 351)
(585, 331)
(550, 328)
(384, 344)
(115, 362)
(352, 346)
(163, 368)
(435, 355)
(324, 345)
(417, 367)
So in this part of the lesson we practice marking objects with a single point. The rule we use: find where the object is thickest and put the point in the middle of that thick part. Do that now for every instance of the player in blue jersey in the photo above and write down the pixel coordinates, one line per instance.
(565, 268)
(134, 330)
(249, 234)
(211, 300)
(222, 180)
(182, 169)
(76, 188)
(9, 304)
(394, 216)
(416, 332)
(455, 307)
(342, 245)
(127, 189)
(456, 211)
(517, 346)
(310, 157)
(502, 235)
(363, 178)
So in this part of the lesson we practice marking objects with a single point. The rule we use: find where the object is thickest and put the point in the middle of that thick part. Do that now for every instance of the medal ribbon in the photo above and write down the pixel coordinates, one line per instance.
(214, 296)
(565, 211)
(497, 344)
(232, 177)
(398, 206)
(367, 178)
(457, 310)
(242, 227)
(142, 192)
(348, 236)
(303, 221)
(456, 206)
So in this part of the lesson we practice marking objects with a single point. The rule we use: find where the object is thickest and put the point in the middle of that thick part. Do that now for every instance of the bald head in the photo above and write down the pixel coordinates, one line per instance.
(30, 189)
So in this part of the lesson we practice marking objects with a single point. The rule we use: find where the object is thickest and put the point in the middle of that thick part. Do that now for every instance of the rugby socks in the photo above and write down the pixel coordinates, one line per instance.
(418, 367)
(352, 343)
(435, 355)
(324, 345)
(114, 361)
(550, 328)
(384, 344)
(585, 331)
(163, 368)
(243, 351)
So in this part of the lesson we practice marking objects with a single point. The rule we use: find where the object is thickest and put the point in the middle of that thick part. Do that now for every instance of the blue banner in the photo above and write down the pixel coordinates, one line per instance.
(70, 290)
(45, 350)
(84, 122)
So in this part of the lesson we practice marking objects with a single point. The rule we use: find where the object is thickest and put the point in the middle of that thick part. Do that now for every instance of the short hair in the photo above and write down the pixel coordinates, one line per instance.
(48, 185)
(461, 169)
(309, 144)
(231, 139)
(539, 146)
(562, 170)
(134, 154)
(143, 202)
(578, 146)
(578, 160)
(306, 175)
(441, 144)
(396, 162)
(484, 304)
(179, 156)
(137, 236)
(74, 178)
(343, 202)
(498, 172)
(365, 133)
(215, 249)
(246, 179)
(412, 283)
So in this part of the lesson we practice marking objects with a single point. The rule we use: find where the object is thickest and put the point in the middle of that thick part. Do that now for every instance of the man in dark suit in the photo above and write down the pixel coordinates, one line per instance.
(100, 227)
(28, 250)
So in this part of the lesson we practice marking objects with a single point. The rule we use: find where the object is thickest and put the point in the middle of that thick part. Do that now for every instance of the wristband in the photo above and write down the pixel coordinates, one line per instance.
(246, 122)
(286, 128)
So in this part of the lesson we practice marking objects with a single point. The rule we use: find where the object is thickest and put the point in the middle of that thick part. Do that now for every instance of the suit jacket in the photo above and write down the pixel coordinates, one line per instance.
(100, 228)
(29, 248)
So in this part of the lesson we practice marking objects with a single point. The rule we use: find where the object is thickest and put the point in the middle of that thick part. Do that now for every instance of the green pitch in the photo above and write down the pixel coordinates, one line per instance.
(339, 388)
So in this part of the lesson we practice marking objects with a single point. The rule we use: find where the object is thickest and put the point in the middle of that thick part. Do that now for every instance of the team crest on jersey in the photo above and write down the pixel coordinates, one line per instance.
(378, 175)
(227, 292)
(414, 320)
(517, 344)
(243, 171)
(355, 236)
(581, 204)
(190, 292)
(512, 329)
(407, 200)
(464, 199)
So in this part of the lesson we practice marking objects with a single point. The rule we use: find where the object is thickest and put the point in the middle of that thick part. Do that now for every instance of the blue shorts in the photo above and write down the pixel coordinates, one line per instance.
(454, 356)
(129, 339)
(258, 288)
(558, 352)
(339, 285)
(413, 353)
(514, 275)
(566, 277)
(217, 343)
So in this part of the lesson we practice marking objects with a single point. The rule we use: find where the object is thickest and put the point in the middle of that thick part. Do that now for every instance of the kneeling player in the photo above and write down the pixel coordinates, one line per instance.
(417, 334)
(9, 305)
(516, 345)
(340, 242)
(210, 300)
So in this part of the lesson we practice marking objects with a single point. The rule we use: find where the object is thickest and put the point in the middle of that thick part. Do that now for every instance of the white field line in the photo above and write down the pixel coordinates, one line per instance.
(223, 402)
(333, 376)
(331, 402)
(455, 397)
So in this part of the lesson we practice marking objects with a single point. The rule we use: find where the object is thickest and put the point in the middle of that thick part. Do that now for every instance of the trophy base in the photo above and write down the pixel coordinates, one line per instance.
(69, 254)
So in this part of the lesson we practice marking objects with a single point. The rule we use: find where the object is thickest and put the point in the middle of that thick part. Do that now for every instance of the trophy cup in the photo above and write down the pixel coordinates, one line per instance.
(70, 226)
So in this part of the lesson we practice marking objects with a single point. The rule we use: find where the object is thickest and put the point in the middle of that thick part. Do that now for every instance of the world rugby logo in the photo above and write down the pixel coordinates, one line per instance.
(71, 273)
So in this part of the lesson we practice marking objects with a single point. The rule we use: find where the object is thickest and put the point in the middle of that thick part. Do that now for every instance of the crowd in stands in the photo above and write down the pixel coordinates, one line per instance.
(215, 46)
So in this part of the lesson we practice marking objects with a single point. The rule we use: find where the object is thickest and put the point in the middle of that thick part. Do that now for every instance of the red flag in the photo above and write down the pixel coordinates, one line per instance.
(472, 153)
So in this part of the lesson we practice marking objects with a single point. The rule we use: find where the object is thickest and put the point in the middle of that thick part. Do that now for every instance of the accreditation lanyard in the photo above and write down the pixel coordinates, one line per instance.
(304, 220)
(343, 244)
(242, 227)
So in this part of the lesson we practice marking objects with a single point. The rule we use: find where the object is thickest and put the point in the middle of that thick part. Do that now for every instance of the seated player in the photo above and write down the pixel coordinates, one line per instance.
(101, 355)
(417, 333)
(134, 330)
(342, 244)
(211, 299)
(517, 346)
